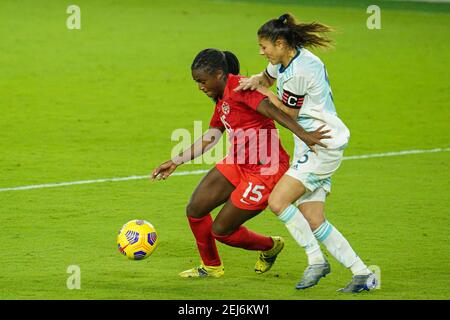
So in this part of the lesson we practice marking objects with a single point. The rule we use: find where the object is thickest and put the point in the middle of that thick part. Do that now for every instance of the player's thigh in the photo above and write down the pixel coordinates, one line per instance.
(230, 218)
(313, 211)
(286, 191)
(212, 191)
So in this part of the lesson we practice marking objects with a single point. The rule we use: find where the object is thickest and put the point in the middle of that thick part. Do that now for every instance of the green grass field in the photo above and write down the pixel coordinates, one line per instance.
(103, 101)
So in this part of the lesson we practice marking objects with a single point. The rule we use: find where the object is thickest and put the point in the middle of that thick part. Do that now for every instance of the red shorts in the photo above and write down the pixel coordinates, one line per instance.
(252, 189)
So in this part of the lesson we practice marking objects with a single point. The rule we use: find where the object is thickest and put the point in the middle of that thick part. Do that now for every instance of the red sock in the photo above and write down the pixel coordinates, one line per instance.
(206, 244)
(246, 239)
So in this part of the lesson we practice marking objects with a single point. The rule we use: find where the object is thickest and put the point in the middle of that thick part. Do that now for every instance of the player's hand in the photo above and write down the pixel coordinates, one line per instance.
(164, 170)
(314, 138)
(251, 83)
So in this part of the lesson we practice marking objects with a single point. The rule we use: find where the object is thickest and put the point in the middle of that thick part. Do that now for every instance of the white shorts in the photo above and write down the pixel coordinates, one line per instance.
(317, 195)
(314, 171)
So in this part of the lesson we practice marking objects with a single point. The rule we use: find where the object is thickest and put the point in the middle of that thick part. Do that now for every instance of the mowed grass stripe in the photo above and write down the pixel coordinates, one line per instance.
(195, 172)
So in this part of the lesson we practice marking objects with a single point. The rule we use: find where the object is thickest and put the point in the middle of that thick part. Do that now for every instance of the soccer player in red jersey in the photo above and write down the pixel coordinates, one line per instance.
(244, 179)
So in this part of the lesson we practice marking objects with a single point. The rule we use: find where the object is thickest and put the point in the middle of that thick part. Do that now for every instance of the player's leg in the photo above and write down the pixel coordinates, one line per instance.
(298, 180)
(281, 200)
(313, 211)
(248, 199)
(335, 242)
(212, 191)
(331, 238)
(229, 221)
(228, 228)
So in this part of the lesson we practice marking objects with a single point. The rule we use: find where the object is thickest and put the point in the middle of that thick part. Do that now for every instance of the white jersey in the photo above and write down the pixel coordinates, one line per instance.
(304, 84)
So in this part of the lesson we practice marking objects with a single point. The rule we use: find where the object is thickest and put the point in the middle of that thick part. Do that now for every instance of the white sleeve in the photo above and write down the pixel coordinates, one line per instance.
(272, 71)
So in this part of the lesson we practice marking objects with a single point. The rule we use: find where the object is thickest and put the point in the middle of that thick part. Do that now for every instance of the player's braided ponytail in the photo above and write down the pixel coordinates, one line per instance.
(295, 34)
(211, 60)
(232, 62)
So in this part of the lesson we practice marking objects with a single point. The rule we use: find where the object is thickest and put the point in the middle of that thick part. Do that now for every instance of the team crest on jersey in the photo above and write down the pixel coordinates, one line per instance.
(292, 100)
(225, 108)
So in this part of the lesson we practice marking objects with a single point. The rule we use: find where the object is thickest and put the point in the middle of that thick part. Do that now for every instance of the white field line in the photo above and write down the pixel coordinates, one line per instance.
(392, 154)
(185, 173)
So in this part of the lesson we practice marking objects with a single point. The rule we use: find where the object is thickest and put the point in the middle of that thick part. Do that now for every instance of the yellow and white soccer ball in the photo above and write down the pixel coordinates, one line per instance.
(137, 239)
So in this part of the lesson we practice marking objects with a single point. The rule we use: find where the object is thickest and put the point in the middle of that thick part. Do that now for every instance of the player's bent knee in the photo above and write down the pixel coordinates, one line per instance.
(277, 206)
(220, 229)
(194, 211)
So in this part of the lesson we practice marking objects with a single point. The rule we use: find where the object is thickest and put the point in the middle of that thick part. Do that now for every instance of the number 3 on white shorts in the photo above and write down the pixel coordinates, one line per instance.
(257, 195)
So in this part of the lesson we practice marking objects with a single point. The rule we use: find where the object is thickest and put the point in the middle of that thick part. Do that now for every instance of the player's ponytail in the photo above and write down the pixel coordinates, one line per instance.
(295, 34)
(232, 62)
(211, 60)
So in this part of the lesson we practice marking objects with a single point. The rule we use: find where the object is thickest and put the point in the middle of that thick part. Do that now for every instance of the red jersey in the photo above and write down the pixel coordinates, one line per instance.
(254, 140)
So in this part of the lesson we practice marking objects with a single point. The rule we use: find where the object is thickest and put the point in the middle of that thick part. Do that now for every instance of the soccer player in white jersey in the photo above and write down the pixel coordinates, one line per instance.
(304, 92)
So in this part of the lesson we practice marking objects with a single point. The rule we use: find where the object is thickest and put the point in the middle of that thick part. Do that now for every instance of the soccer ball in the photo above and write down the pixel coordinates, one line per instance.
(137, 239)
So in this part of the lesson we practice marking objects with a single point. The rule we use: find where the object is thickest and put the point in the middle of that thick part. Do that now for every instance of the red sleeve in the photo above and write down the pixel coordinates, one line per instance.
(248, 97)
(215, 120)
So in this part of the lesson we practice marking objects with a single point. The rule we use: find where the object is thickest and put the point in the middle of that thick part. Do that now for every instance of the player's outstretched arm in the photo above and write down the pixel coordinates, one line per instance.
(293, 113)
(312, 138)
(254, 82)
(262, 83)
(199, 147)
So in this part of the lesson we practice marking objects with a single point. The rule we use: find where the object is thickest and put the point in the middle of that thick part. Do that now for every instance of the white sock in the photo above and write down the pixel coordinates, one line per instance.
(340, 249)
(301, 231)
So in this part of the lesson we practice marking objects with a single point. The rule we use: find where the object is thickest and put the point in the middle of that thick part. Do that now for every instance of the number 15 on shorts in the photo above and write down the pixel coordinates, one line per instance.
(253, 193)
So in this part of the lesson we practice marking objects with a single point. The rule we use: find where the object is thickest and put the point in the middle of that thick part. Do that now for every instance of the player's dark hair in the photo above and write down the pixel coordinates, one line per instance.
(295, 34)
(211, 60)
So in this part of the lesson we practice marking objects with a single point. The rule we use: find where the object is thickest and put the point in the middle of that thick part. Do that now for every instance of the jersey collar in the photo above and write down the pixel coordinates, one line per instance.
(282, 69)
